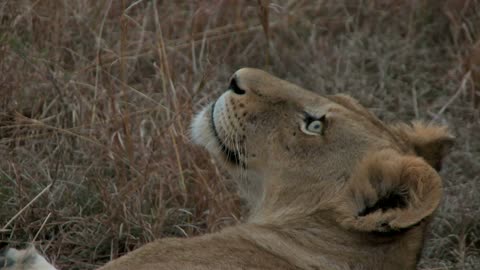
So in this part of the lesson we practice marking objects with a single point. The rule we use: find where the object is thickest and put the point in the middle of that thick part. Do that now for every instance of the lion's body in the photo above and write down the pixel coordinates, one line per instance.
(268, 248)
(224, 250)
(328, 185)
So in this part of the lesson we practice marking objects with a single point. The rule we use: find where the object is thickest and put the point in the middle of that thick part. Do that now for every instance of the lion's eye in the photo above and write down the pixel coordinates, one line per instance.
(313, 125)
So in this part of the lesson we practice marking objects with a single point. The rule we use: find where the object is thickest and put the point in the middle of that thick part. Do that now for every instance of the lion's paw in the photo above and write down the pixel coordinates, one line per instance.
(25, 259)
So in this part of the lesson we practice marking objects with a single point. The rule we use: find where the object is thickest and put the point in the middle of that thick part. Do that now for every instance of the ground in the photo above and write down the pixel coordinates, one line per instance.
(96, 99)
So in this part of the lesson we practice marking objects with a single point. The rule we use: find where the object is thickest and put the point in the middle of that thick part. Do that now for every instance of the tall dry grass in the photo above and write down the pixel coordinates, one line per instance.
(96, 99)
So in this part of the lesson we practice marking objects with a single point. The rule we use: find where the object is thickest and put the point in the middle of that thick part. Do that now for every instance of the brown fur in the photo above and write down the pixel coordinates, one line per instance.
(357, 195)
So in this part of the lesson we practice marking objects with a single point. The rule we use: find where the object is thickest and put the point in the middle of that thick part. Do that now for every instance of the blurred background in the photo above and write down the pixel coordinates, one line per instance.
(96, 99)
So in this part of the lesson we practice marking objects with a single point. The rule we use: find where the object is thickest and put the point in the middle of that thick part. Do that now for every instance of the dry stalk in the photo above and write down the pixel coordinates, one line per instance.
(263, 10)
(123, 79)
(4, 228)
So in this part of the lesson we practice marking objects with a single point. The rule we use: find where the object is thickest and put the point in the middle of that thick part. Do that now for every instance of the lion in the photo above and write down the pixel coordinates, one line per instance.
(327, 184)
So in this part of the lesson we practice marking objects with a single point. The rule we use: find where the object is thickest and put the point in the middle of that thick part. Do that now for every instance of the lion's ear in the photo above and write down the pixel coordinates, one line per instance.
(430, 142)
(389, 192)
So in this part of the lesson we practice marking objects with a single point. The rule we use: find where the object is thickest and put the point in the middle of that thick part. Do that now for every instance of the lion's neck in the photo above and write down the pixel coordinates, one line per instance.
(310, 244)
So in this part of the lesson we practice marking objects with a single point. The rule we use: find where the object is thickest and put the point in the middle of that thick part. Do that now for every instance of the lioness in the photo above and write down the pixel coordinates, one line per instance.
(328, 185)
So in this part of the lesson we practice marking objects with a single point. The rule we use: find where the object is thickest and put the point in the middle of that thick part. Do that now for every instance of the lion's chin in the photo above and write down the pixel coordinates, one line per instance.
(204, 133)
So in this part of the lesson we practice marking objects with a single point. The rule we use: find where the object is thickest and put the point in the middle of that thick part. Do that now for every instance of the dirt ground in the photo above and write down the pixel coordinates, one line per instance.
(96, 99)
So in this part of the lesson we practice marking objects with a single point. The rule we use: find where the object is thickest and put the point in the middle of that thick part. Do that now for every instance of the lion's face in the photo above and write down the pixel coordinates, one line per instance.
(291, 147)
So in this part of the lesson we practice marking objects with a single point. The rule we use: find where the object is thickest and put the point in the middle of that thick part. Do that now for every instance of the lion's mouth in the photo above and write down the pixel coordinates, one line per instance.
(232, 156)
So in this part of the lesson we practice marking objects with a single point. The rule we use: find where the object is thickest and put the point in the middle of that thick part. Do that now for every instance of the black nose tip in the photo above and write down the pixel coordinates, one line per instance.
(235, 88)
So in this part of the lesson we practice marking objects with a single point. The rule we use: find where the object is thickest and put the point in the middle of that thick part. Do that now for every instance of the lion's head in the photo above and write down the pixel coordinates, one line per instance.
(295, 153)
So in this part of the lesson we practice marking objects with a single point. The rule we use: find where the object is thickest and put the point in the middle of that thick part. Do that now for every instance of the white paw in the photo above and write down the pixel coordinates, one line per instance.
(25, 259)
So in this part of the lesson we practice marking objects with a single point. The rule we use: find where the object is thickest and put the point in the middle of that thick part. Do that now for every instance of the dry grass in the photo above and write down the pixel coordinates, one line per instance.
(96, 99)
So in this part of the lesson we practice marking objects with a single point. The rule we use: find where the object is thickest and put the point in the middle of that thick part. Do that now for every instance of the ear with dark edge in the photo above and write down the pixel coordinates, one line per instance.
(388, 193)
(431, 142)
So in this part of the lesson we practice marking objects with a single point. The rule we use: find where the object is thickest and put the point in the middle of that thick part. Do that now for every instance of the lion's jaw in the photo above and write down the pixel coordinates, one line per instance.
(305, 160)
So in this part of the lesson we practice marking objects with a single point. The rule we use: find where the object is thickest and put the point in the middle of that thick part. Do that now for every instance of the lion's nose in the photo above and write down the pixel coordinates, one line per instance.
(235, 88)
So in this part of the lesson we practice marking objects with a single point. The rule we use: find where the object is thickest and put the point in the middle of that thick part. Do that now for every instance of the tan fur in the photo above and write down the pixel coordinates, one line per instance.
(358, 195)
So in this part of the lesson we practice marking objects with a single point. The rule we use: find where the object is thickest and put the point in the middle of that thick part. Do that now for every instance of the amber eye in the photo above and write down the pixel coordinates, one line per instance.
(314, 125)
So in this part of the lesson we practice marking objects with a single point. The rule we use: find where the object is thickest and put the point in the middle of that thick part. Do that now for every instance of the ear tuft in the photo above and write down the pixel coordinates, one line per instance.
(431, 142)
